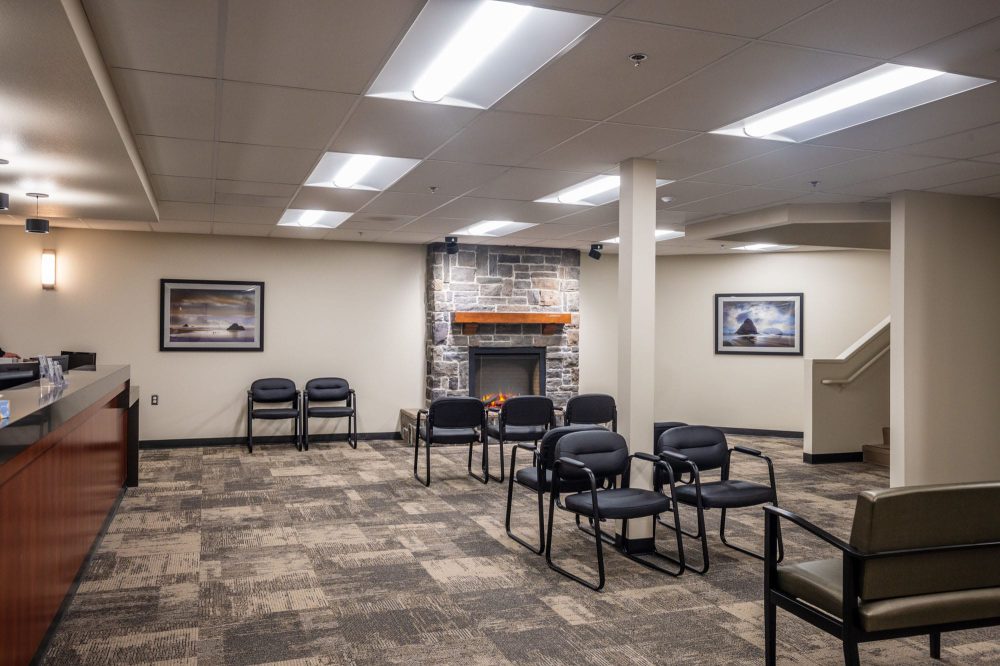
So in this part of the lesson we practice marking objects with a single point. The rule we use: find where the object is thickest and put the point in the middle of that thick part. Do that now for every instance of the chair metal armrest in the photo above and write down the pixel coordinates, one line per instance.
(646, 456)
(590, 476)
(572, 461)
(816, 531)
(754, 453)
(527, 446)
(747, 451)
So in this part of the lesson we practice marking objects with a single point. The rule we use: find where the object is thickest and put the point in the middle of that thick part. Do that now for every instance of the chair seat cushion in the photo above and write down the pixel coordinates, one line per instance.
(819, 583)
(528, 476)
(331, 412)
(275, 413)
(725, 494)
(514, 433)
(620, 503)
(450, 435)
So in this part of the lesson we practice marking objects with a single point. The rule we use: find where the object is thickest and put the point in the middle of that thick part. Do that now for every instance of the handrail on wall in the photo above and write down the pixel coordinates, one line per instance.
(858, 373)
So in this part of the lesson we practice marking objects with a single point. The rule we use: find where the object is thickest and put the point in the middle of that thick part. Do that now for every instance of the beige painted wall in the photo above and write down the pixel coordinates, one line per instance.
(945, 396)
(846, 293)
(354, 310)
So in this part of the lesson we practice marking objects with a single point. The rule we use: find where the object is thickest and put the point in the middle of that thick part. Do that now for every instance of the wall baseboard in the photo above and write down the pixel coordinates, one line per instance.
(268, 439)
(791, 434)
(824, 458)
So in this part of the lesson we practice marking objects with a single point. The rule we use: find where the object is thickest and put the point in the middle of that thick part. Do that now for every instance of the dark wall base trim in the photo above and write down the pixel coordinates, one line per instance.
(792, 434)
(269, 439)
(823, 458)
(71, 592)
(636, 546)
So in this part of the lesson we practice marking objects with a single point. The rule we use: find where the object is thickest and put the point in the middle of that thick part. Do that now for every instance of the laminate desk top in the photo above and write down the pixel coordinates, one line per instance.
(38, 408)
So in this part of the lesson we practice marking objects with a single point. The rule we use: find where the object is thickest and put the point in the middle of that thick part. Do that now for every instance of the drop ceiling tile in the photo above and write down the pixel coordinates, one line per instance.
(399, 203)
(869, 168)
(498, 137)
(182, 227)
(406, 237)
(247, 214)
(972, 143)
(752, 80)
(438, 225)
(957, 113)
(687, 191)
(167, 104)
(588, 6)
(450, 178)
(972, 52)
(995, 157)
(740, 200)
(982, 187)
(351, 235)
(923, 179)
(705, 152)
(392, 128)
(255, 188)
(314, 44)
(277, 116)
(883, 29)
(172, 210)
(591, 217)
(749, 19)
(781, 164)
(601, 148)
(331, 198)
(176, 157)
(269, 164)
(376, 222)
(178, 37)
(476, 208)
(118, 225)
(251, 200)
(175, 188)
(235, 229)
(596, 234)
(529, 184)
(304, 233)
(595, 79)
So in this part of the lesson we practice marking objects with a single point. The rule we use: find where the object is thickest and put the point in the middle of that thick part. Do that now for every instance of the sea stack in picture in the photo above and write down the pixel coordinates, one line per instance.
(747, 328)
(236, 327)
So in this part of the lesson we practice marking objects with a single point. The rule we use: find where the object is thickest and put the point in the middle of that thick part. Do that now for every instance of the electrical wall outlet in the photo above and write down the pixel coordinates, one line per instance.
(154, 400)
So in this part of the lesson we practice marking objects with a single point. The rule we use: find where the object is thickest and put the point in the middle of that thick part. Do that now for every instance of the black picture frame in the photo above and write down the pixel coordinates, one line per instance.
(757, 344)
(233, 342)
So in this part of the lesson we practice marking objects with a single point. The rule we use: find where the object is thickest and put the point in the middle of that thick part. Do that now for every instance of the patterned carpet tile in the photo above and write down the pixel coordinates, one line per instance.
(337, 556)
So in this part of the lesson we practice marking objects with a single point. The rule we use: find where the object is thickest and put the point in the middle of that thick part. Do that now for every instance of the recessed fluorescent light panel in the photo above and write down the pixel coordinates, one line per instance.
(492, 228)
(359, 172)
(661, 235)
(313, 219)
(595, 191)
(763, 247)
(879, 92)
(472, 53)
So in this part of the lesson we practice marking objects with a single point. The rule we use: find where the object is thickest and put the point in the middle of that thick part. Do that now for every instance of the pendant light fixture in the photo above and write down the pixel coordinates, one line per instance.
(36, 225)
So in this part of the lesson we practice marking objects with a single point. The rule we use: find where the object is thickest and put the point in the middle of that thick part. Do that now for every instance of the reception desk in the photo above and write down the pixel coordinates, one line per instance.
(63, 455)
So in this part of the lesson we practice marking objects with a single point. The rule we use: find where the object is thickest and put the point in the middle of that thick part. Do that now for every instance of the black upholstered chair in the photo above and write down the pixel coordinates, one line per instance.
(592, 408)
(326, 390)
(524, 418)
(455, 420)
(661, 427)
(538, 477)
(695, 450)
(273, 391)
(592, 457)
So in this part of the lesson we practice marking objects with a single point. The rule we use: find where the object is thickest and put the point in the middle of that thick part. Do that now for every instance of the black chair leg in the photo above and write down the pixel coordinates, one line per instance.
(678, 561)
(416, 458)
(935, 645)
(851, 657)
(722, 537)
(486, 475)
(608, 539)
(501, 477)
(295, 434)
(541, 513)
(352, 430)
(770, 631)
(701, 535)
(249, 433)
(305, 432)
(600, 553)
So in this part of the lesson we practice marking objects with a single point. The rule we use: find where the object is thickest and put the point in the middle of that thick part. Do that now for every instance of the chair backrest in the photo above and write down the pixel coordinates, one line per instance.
(547, 447)
(705, 446)
(590, 408)
(327, 389)
(273, 389)
(661, 427)
(921, 517)
(527, 410)
(456, 412)
(604, 452)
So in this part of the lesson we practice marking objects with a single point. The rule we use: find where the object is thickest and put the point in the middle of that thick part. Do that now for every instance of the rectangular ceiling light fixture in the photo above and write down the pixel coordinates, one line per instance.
(661, 235)
(595, 191)
(313, 219)
(879, 92)
(472, 53)
(492, 228)
(359, 172)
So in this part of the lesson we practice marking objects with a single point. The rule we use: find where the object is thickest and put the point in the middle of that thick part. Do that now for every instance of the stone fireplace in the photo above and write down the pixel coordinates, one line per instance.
(502, 320)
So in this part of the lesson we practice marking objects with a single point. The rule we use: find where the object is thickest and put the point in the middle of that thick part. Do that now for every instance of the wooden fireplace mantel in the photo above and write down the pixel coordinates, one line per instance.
(551, 321)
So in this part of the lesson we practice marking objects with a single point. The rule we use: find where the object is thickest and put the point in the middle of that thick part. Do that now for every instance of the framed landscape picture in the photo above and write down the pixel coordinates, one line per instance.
(758, 324)
(209, 315)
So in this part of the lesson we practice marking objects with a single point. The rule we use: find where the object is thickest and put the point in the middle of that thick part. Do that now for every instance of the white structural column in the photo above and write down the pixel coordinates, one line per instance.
(636, 318)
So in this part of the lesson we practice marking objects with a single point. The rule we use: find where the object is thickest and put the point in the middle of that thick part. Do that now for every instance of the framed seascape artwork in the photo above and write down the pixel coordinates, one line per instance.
(758, 324)
(210, 315)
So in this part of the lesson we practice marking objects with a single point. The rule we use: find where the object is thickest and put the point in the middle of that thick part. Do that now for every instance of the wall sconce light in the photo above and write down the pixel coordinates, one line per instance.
(48, 269)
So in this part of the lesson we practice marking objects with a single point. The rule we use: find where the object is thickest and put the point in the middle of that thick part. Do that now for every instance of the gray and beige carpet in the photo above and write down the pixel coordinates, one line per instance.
(337, 556)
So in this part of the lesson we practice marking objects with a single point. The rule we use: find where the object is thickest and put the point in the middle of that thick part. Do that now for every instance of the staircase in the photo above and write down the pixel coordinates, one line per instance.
(877, 454)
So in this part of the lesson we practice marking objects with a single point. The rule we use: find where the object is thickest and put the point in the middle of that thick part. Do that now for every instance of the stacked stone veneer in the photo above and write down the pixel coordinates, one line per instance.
(494, 278)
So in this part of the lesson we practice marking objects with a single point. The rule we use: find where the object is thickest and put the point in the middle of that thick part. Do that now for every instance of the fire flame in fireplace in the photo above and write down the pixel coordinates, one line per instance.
(497, 399)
